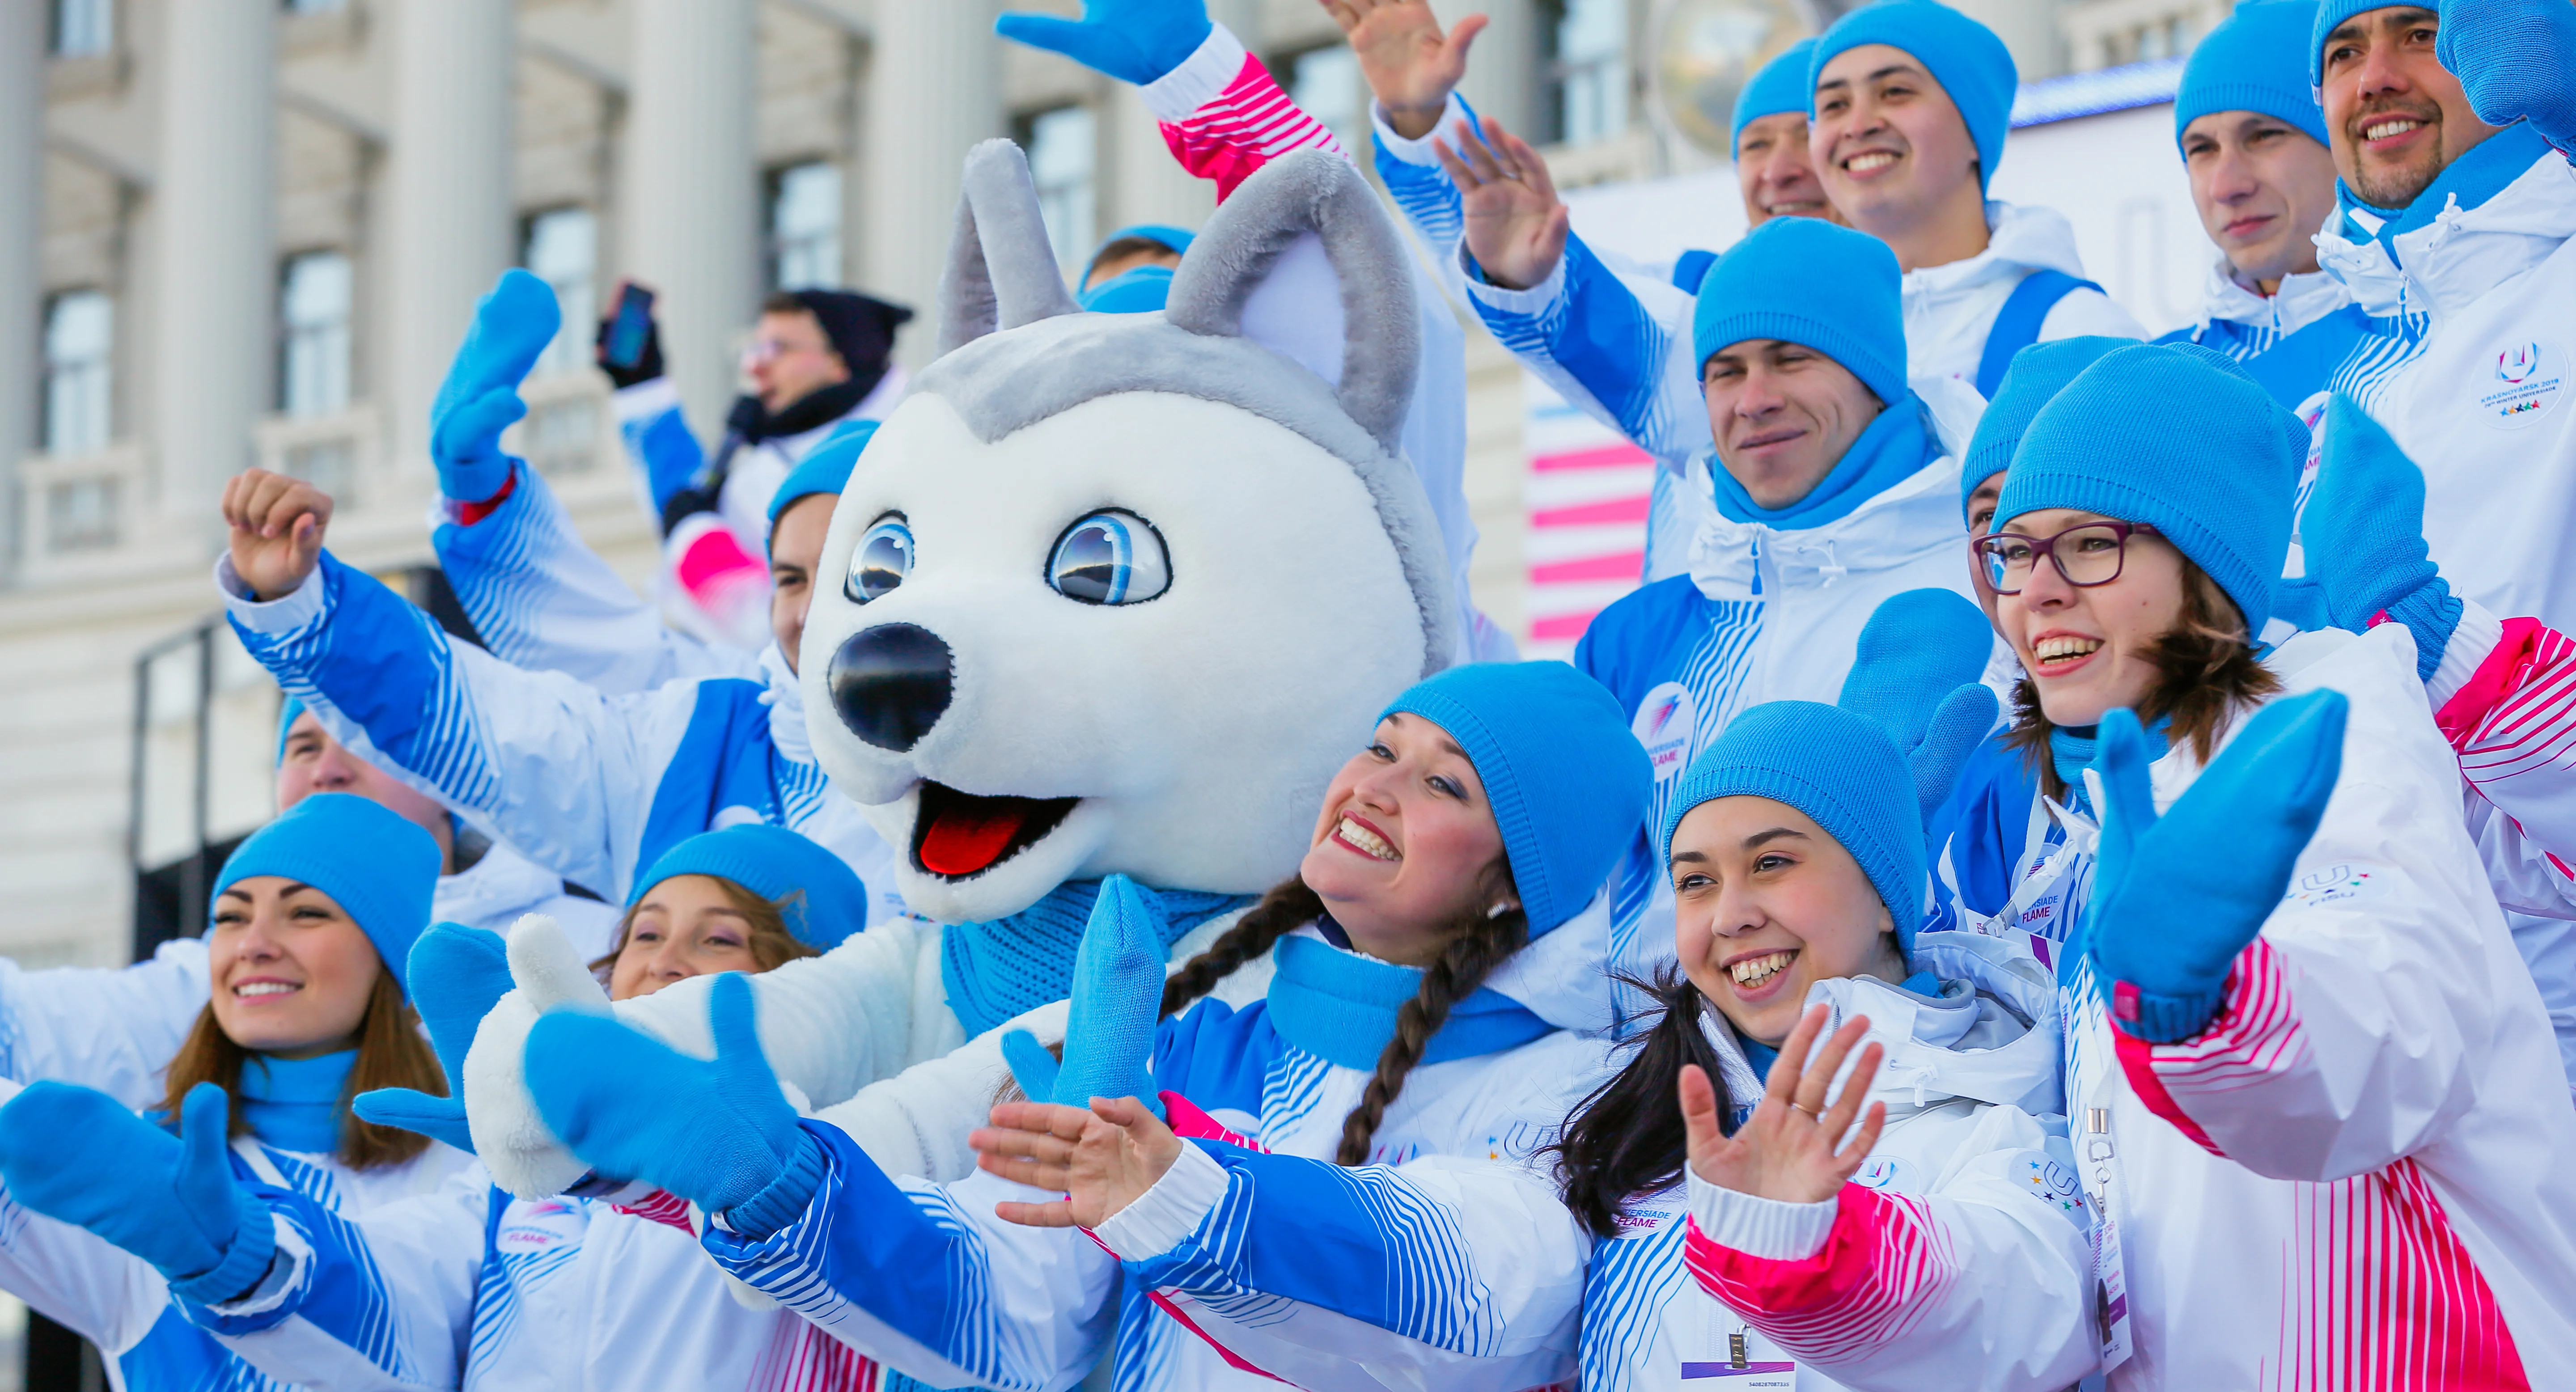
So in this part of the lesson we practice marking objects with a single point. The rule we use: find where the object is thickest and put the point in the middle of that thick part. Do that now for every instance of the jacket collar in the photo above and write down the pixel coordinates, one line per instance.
(1749, 560)
(2496, 212)
(496, 889)
(2303, 299)
(2019, 240)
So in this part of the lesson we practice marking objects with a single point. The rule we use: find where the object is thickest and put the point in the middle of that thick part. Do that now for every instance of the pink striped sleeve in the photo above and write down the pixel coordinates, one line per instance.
(1882, 1267)
(1246, 126)
(2254, 1039)
(662, 1206)
(2514, 727)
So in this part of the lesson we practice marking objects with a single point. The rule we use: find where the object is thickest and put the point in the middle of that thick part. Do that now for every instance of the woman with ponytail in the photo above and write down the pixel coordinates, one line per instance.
(308, 947)
(1367, 1207)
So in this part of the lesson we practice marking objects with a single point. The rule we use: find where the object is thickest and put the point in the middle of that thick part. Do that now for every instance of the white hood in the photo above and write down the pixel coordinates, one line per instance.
(494, 891)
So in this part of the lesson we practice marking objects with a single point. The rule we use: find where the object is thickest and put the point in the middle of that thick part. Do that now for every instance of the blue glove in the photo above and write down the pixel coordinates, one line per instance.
(457, 974)
(713, 1131)
(1138, 41)
(79, 1156)
(2514, 59)
(1117, 1001)
(1914, 672)
(2363, 535)
(2176, 898)
(480, 397)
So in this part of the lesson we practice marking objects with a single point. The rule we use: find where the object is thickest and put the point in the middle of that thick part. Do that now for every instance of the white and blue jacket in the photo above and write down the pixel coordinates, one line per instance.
(1619, 346)
(591, 786)
(2291, 340)
(1447, 1261)
(119, 1303)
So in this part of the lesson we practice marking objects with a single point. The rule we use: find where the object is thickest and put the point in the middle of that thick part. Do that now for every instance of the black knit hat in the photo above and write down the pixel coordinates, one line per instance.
(861, 328)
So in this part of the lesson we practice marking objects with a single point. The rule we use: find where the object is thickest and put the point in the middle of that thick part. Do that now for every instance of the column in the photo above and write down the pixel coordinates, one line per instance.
(452, 231)
(214, 271)
(692, 190)
(934, 90)
(1503, 76)
(1145, 183)
(22, 173)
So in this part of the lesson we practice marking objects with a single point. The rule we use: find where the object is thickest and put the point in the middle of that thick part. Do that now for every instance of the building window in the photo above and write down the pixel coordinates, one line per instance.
(1326, 83)
(80, 515)
(80, 343)
(1063, 155)
(805, 227)
(314, 300)
(84, 27)
(1591, 70)
(561, 248)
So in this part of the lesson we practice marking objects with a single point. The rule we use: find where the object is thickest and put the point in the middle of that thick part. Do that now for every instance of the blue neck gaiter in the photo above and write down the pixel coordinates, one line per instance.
(297, 1104)
(1893, 449)
(1341, 1006)
(2071, 749)
(2473, 178)
(998, 970)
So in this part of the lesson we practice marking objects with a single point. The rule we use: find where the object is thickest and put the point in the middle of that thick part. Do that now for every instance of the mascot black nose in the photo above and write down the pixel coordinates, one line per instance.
(891, 684)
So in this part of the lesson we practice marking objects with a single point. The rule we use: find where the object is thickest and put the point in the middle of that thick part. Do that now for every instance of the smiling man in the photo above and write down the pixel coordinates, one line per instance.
(2457, 221)
(1830, 491)
(2254, 145)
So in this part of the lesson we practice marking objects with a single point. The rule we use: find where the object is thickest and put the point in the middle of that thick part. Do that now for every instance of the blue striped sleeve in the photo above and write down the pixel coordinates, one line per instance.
(1593, 337)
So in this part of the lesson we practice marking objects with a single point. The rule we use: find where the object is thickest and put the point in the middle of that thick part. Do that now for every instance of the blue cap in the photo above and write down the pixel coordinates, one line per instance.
(378, 867)
(1176, 238)
(2330, 16)
(1779, 88)
(287, 711)
(2250, 62)
(817, 893)
(2038, 373)
(1568, 782)
(1136, 290)
(1871, 768)
(2181, 438)
(1805, 280)
(825, 468)
(1965, 57)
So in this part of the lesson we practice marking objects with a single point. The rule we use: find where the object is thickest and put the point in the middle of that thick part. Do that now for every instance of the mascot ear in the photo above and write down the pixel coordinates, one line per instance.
(1319, 196)
(1001, 272)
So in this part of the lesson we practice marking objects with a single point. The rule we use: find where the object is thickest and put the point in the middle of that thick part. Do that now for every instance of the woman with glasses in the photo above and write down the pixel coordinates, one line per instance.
(2303, 1057)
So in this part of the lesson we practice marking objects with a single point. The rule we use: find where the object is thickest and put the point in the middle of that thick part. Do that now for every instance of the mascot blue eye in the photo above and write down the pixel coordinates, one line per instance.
(1110, 558)
(883, 558)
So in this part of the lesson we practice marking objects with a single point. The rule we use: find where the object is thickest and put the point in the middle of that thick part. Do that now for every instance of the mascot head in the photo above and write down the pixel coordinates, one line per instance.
(1119, 592)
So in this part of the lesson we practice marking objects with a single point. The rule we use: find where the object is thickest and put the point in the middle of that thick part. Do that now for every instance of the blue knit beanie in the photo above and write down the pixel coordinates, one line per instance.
(2038, 373)
(2250, 62)
(1870, 768)
(2330, 16)
(824, 469)
(379, 868)
(1568, 782)
(1805, 280)
(2181, 438)
(287, 711)
(1781, 86)
(1178, 239)
(817, 892)
(1965, 57)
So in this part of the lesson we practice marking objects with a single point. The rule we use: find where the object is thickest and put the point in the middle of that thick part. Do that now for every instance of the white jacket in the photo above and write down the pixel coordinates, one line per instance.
(2356, 1168)
(1958, 1257)
(2473, 380)
(118, 1302)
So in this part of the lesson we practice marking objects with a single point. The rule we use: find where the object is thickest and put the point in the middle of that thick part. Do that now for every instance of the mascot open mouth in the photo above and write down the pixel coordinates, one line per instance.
(958, 835)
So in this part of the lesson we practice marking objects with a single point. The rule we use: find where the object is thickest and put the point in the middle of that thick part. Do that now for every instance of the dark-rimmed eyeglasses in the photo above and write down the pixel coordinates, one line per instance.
(2088, 555)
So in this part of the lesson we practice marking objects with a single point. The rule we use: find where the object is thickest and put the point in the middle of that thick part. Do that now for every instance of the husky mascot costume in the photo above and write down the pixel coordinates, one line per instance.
(1108, 593)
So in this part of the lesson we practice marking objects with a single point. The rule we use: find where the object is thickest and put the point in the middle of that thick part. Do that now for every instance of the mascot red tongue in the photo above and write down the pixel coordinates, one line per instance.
(1023, 729)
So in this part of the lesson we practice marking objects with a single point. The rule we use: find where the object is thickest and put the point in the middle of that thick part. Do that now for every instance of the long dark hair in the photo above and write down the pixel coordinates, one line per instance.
(2206, 673)
(1476, 945)
(392, 1053)
(1626, 1138)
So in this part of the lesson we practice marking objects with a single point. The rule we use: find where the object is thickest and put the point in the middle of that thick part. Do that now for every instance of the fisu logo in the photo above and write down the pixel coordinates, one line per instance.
(2516, 365)
(2529, 378)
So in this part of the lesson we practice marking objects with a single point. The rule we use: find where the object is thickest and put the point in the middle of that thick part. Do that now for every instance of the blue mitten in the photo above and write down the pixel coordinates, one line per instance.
(2363, 535)
(716, 1132)
(2514, 59)
(2176, 898)
(1136, 41)
(1914, 672)
(480, 398)
(1117, 1001)
(457, 974)
(79, 1156)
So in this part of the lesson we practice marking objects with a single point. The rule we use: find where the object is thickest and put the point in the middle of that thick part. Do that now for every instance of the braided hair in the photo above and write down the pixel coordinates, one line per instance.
(1627, 1138)
(1476, 946)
